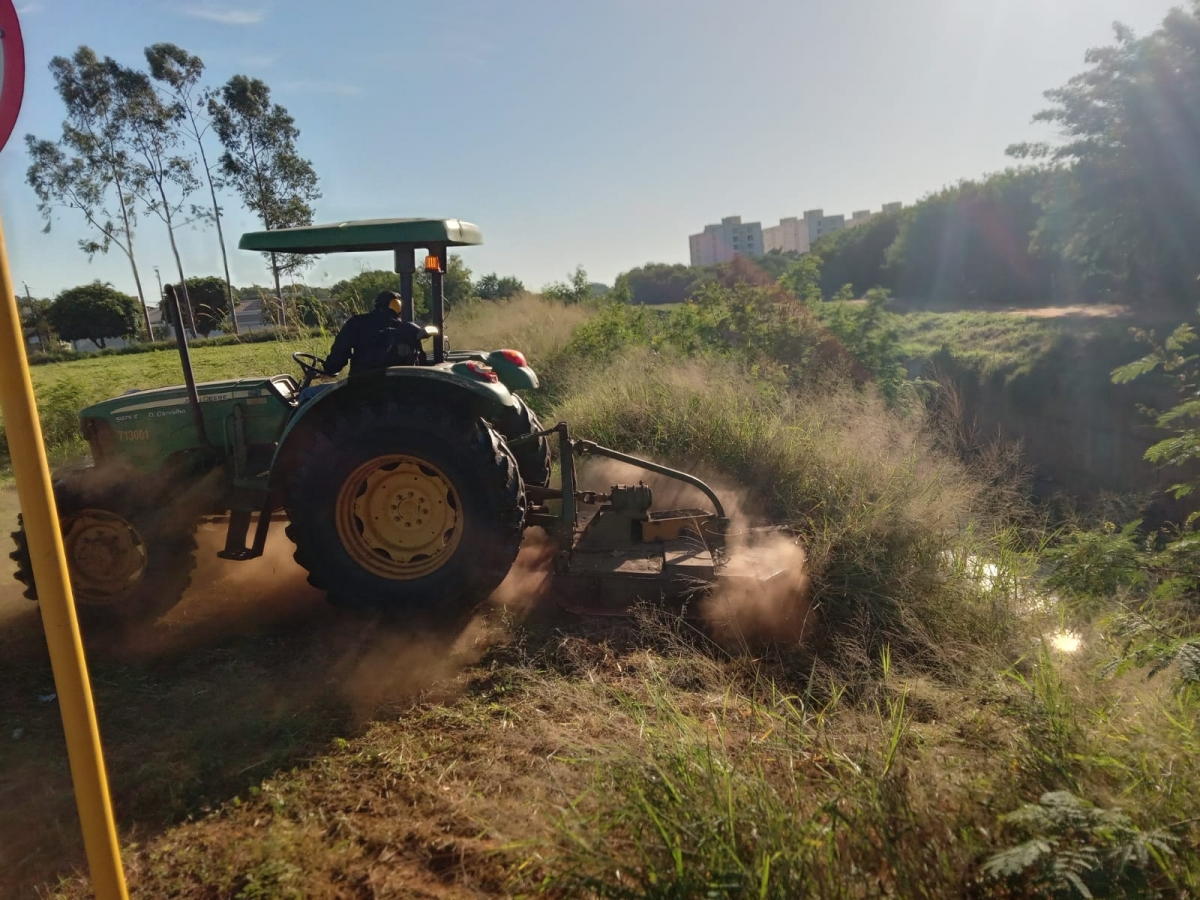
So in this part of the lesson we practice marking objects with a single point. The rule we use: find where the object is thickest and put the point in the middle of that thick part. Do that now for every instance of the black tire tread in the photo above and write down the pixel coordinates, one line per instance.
(533, 457)
(357, 424)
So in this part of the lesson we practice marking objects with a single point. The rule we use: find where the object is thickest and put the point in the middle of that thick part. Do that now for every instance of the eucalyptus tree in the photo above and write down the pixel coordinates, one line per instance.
(89, 168)
(261, 162)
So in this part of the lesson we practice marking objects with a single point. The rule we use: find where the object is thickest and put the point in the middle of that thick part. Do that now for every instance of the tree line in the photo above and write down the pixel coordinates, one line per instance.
(139, 144)
(99, 312)
(1108, 211)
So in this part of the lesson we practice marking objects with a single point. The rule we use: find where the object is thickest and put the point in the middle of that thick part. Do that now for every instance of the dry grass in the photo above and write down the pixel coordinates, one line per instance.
(539, 328)
(645, 762)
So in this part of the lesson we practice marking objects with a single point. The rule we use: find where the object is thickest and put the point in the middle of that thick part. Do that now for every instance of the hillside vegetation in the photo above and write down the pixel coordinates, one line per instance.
(944, 724)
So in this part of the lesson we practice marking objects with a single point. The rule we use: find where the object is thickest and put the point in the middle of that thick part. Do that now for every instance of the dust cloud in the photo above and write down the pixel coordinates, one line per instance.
(371, 661)
(530, 581)
(393, 665)
(229, 600)
(765, 593)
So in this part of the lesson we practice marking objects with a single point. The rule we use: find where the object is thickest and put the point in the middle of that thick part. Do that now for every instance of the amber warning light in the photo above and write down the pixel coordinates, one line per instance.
(432, 263)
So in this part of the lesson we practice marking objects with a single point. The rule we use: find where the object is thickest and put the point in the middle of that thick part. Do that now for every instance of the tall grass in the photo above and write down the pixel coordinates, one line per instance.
(537, 327)
(882, 511)
(774, 796)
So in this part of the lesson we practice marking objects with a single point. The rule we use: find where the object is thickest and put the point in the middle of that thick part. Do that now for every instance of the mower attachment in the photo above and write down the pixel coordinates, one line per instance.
(624, 551)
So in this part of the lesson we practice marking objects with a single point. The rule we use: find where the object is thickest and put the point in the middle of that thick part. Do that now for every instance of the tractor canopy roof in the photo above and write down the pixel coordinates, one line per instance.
(364, 234)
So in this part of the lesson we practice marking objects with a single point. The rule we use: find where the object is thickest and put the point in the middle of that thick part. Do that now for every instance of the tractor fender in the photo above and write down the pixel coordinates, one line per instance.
(483, 398)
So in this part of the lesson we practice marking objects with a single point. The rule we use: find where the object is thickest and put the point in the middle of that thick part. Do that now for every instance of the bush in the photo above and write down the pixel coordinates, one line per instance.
(209, 302)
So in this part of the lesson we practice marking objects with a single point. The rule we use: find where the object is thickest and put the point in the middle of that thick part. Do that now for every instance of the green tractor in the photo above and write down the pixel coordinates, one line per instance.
(406, 489)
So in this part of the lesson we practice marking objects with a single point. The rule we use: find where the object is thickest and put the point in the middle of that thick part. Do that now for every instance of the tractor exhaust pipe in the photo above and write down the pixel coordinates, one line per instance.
(185, 357)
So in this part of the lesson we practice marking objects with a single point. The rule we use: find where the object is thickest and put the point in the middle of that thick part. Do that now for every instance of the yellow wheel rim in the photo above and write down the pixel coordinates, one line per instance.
(105, 555)
(399, 517)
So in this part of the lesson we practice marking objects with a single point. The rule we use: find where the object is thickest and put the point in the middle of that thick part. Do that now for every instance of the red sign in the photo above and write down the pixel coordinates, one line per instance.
(12, 72)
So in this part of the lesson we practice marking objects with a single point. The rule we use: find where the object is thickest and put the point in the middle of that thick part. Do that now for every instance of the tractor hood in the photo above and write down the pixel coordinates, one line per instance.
(168, 401)
(145, 429)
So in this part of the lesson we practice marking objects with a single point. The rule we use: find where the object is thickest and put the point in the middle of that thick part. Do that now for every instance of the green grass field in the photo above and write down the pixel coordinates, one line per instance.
(943, 725)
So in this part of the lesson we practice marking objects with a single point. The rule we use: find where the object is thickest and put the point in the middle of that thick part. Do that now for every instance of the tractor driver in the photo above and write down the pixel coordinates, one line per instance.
(372, 341)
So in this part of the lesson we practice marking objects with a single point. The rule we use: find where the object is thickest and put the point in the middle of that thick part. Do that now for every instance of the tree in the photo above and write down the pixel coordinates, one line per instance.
(661, 283)
(180, 72)
(93, 312)
(1123, 205)
(209, 304)
(313, 311)
(971, 245)
(577, 290)
(161, 177)
(495, 287)
(802, 279)
(261, 162)
(88, 169)
(857, 256)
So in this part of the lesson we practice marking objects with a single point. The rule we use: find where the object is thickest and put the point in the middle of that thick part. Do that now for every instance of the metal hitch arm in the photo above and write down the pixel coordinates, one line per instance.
(582, 448)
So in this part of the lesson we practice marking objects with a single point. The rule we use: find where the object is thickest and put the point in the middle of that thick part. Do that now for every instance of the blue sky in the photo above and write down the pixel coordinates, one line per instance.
(598, 133)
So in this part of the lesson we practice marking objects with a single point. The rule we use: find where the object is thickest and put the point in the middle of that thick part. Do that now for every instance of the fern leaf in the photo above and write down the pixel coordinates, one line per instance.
(1188, 658)
(1180, 337)
(1138, 368)
(1076, 882)
(1017, 859)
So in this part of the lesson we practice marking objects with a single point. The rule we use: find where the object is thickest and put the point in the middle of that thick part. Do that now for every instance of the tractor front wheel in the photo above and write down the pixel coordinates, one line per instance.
(129, 558)
(408, 508)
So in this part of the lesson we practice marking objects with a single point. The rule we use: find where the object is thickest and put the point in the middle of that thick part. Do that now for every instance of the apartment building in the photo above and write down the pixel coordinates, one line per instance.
(721, 243)
(794, 234)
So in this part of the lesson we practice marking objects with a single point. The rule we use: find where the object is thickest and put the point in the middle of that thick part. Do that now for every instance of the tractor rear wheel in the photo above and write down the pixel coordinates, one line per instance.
(409, 508)
(130, 559)
(533, 457)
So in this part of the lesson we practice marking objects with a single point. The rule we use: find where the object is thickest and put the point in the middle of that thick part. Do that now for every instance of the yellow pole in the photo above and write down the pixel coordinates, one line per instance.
(54, 596)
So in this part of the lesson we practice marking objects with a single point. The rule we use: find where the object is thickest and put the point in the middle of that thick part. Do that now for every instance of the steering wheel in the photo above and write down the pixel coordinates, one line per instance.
(311, 365)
